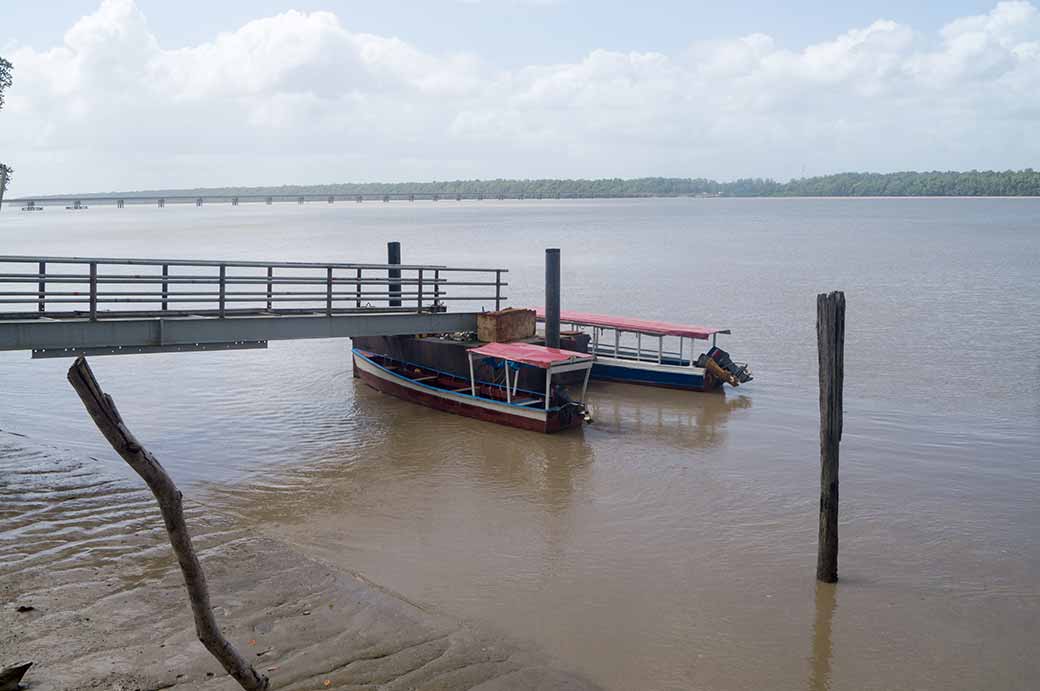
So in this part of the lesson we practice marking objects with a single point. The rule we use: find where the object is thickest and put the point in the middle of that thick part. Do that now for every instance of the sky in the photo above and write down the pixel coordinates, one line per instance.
(125, 94)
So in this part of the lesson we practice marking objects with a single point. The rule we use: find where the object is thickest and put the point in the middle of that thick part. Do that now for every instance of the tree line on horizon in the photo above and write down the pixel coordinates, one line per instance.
(989, 183)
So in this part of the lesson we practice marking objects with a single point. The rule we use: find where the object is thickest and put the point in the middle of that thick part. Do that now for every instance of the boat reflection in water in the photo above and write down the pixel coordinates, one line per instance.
(682, 420)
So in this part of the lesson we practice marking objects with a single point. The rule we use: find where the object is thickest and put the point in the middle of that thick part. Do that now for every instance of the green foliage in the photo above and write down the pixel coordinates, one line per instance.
(5, 81)
(6, 68)
(974, 183)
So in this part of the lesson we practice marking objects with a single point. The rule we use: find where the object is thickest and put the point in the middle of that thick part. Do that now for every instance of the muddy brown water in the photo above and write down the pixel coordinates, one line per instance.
(670, 545)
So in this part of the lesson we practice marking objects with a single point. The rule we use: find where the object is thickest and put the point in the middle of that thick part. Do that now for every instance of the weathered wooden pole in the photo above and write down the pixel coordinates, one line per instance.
(393, 256)
(830, 337)
(552, 298)
(108, 420)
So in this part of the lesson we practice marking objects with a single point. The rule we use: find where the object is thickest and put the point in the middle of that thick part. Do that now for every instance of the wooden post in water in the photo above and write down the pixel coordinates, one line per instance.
(830, 337)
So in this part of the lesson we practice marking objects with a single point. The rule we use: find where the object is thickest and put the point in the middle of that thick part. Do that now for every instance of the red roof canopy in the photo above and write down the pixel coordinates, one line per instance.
(646, 326)
(530, 354)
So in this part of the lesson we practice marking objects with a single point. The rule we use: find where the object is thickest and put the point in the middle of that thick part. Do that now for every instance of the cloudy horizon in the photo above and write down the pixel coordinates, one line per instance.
(307, 97)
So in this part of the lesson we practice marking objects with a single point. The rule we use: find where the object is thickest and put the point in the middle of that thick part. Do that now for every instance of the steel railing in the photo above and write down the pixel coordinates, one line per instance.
(56, 287)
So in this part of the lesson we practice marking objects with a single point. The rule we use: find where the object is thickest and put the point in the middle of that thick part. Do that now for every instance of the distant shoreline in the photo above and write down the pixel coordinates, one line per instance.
(933, 184)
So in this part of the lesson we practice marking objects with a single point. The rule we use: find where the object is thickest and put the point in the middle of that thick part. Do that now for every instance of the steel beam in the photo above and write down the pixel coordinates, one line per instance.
(45, 334)
(44, 353)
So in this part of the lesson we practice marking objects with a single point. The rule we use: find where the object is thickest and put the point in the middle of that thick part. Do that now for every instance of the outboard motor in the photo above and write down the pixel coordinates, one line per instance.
(739, 371)
(561, 394)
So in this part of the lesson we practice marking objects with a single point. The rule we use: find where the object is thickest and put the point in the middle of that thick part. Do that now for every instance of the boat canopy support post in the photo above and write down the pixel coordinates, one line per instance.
(548, 383)
(472, 377)
(509, 389)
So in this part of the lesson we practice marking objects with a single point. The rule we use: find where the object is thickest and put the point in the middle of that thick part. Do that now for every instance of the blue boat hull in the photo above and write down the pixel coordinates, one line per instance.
(690, 381)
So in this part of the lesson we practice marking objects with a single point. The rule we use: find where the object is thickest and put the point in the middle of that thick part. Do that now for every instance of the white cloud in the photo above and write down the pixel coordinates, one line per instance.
(301, 97)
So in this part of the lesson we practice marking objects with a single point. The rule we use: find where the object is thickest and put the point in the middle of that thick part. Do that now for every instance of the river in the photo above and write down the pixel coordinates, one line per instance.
(670, 545)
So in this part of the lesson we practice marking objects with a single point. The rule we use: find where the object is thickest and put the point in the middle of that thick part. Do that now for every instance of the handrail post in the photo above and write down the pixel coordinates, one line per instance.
(328, 291)
(93, 290)
(498, 290)
(165, 286)
(42, 288)
(419, 301)
(358, 288)
(223, 290)
(270, 281)
(436, 289)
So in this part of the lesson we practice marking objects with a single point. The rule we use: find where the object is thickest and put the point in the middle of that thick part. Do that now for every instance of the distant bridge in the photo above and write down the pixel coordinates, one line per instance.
(66, 306)
(120, 201)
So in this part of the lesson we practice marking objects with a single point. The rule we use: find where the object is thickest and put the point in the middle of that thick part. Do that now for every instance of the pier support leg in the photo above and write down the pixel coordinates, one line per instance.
(108, 420)
(393, 256)
(830, 336)
(552, 298)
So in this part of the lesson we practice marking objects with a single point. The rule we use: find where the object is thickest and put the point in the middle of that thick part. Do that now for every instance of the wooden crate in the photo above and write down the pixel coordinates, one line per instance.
(509, 324)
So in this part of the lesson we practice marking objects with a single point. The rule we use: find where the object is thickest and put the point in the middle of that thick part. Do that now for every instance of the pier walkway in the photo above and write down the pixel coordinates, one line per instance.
(68, 306)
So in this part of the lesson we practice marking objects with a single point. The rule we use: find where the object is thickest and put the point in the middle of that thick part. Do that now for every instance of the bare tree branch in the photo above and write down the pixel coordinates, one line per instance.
(107, 418)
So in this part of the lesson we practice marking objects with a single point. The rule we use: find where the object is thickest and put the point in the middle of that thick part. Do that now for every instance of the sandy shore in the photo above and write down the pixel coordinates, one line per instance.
(108, 610)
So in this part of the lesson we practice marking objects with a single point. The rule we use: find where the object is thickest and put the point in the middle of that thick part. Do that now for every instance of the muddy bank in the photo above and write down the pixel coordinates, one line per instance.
(88, 555)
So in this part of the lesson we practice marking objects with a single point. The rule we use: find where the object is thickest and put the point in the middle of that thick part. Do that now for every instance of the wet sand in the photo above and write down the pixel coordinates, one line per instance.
(89, 556)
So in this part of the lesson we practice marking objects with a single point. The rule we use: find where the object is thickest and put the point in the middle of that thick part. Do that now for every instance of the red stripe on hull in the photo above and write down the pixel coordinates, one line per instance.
(553, 423)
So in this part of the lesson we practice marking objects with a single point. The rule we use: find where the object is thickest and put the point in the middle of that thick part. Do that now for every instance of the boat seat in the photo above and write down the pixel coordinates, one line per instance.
(426, 378)
(527, 401)
(464, 388)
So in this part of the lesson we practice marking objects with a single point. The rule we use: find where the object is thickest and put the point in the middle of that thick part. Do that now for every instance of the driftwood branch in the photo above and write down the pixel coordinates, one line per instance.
(103, 409)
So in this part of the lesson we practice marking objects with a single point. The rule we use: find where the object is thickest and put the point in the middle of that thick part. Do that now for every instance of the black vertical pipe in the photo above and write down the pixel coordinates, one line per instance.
(93, 290)
(552, 298)
(393, 256)
(165, 286)
(41, 288)
(328, 291)
(223, 288)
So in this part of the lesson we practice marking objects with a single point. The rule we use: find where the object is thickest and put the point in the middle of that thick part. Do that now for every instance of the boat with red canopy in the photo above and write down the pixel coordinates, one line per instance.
(492, 391)
(625, 351)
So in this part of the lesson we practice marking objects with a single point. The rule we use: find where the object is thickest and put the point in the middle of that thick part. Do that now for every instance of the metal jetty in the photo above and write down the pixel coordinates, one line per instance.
(67, 306)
